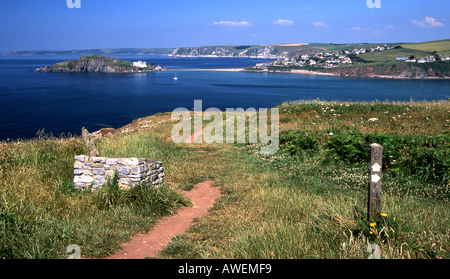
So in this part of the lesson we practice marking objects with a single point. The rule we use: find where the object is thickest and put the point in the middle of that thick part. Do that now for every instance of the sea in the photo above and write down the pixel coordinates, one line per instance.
(62, 103)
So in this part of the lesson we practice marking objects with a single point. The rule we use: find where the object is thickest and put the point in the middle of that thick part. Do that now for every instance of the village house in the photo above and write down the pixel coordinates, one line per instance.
(347, 60)
(431, 59)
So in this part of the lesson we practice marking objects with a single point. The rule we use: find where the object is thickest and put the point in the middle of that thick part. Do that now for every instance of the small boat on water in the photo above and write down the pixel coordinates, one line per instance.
(175, 77)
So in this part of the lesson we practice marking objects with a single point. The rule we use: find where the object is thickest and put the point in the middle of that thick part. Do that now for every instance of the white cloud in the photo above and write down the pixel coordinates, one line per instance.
(389, 27)
(232, 23)
(321, 24)
(285, 22)
(427, 22)
(356, 28)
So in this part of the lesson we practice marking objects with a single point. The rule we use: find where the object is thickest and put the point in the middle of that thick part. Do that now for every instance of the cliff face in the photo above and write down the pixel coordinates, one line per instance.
(202, 52)
(96, 64)
(268, 52)
(389, 70)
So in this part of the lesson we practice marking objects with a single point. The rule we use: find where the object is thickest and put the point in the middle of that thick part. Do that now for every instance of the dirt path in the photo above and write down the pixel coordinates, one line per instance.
(141, 246)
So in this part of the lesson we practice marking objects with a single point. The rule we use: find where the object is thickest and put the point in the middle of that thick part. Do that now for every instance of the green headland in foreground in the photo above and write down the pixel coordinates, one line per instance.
(307, 201)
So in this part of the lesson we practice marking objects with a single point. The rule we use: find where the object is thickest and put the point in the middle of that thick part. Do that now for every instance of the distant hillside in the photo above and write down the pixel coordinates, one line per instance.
(276, 51)
(418, 50)
(442, 47)
(413, 60)
(84, 52)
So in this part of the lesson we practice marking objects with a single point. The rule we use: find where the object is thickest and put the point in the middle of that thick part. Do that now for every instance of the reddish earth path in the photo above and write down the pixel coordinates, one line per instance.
(141, 246)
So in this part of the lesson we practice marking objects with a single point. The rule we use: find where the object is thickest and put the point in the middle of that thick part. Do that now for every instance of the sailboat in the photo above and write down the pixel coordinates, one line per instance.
(175, 77)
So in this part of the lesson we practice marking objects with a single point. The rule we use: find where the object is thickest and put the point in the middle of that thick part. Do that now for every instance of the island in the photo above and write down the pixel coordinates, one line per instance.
(100, 64)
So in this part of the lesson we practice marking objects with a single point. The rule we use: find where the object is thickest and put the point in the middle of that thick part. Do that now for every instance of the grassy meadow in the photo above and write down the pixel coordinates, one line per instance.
(308, 201)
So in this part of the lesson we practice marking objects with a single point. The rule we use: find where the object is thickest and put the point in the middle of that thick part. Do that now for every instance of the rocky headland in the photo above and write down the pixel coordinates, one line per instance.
(99, 64)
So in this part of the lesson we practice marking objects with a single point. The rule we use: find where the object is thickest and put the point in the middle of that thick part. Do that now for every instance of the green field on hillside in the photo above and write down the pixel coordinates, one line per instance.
(442, 47)
(391, 55)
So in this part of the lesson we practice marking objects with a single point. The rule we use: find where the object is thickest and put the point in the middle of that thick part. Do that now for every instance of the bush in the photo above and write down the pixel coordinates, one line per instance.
(298, 140)
(426, 157)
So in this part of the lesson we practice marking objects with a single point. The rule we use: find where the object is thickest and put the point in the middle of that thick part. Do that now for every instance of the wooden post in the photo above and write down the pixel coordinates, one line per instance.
(375, 177)
(90, 142)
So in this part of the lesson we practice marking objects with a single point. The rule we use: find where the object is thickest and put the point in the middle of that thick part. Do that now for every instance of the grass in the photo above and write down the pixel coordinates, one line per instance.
(302, 202)
(312, 206)
(41, 213)
(441, 47)
(390, 55)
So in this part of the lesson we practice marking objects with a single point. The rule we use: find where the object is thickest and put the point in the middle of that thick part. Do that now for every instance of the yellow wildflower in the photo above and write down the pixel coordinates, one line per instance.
(384, 214)
(373, 224)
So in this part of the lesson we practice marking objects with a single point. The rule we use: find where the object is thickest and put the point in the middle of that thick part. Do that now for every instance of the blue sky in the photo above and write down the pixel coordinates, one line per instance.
(50, 24)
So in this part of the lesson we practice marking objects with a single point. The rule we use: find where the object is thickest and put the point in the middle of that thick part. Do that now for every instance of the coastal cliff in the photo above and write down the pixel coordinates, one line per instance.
(265, 52)
(392, 70)
(97, 64)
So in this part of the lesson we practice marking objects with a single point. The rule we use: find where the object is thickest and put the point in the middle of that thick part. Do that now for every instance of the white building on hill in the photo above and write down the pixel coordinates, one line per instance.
(140, 64)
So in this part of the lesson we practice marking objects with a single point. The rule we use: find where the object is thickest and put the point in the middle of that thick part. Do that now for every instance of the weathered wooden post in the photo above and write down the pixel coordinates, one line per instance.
(87, 137)
(375, 176)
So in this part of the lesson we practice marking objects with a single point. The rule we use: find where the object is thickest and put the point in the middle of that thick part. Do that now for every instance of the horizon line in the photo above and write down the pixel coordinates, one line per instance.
(348, 43)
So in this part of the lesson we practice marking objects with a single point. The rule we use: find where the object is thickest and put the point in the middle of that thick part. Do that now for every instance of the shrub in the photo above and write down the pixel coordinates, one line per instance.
(426, 157)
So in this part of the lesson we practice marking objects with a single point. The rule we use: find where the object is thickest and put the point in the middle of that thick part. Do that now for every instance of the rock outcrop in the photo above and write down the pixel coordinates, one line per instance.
(97, 64)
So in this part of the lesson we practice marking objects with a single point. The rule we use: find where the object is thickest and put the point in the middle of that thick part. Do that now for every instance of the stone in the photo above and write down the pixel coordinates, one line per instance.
(137, 170)
(98, 160)
(125, 181)
(110, 173)
(98, 172)
(145, 166)
(125, 171)
(79, 185)
(83, 179)
(111, 162)
(137, 175)
(78, 165)
(133, 162)
(95, 171)
(80, 158)
(100, 179)
(121, 161)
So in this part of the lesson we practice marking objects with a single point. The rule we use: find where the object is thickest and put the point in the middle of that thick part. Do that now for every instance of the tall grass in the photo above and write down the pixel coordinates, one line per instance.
(41, 213)
(308, 205)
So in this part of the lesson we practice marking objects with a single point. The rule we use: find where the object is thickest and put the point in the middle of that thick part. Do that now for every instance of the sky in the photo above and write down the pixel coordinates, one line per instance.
(52, 25)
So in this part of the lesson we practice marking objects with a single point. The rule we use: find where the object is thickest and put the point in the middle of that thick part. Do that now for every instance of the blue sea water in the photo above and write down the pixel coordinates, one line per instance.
(63, 103)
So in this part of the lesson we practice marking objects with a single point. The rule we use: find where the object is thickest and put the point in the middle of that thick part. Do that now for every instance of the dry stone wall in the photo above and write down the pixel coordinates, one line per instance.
(94, 172)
